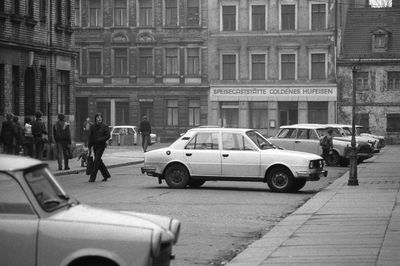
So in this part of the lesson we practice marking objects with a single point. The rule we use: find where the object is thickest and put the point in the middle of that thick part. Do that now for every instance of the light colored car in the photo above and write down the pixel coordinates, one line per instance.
(364, 132)
(41, 225)
(306, 138)
(231, 154)
(127, 135)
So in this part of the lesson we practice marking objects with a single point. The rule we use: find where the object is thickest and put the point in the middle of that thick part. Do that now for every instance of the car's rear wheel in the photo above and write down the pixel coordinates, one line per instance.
(196, 183)
(280, 179)
(177, 176)
(299, 183)
(335, 159)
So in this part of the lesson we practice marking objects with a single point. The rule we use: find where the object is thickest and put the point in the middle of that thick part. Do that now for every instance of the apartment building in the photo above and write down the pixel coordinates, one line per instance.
(271, 63)
(142, 57)
(36, 59)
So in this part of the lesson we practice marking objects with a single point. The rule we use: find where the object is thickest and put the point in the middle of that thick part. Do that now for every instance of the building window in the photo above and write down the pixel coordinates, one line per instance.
(15, 7)
(380, 41)
(259, 114)
(2, 89)
(15, 89)
(193, 61)
(94, 63)
(288, 17)
(393, 80)
(63, 91)
(258, 17)
(77, 13)
(318, 112)
(29, 8)
(43, 89)
(120, 13)
(193, 13)
(288, 66)
(288, 113)
(229, 114)
(94, 13)
(43, 10)
(145, 13)
(363, 120)
(120, 62)
(171, 12)
(68, 13)
(172, 112)
(318, 16)
(146, 62)
(229, 18)
(194, 113)
(1, 6)
(393, 122)
(122, 113)
(58, 12)
(229, 67)
(171, 61)
(318, 66)
(258, 66)
(361, 80)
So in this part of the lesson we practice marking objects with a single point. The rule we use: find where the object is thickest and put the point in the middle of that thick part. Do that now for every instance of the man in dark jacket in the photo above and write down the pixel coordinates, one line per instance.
(38, 129)
(98, 136)
(19, 140)
(8, 134)
(145, 130)
(62, 136)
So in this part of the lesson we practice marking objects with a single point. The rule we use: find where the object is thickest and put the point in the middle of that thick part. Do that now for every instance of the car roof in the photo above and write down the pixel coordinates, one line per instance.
(222, 129)
(313, 126)
(15, 163)
(123, 126)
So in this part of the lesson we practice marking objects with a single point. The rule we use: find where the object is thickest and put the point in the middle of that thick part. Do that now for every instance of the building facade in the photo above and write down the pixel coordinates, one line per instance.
(371, 46)
(36, 59)
(271, 63)
(143, 57)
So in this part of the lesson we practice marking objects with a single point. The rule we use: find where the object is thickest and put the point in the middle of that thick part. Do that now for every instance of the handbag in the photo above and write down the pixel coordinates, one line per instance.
(89, 165)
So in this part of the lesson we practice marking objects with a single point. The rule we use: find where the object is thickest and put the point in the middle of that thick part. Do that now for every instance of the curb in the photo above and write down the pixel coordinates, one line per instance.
(70, 172)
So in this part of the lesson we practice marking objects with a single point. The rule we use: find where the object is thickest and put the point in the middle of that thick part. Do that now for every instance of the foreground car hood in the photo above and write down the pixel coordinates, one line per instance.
(91, 215)
(296, 154)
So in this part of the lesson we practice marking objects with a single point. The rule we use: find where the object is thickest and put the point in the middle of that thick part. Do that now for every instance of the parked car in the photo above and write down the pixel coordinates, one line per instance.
(306, 138)
(127, 135)
(231, 154)
(362, 131)
(41, 225)
(346, 131)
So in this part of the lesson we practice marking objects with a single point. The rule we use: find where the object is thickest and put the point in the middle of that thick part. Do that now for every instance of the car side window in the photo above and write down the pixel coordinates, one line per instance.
(302, 133)
(12, 198)
(130, 131)
(236, 142)
(203, 141)
(287, 133)
(313, 134)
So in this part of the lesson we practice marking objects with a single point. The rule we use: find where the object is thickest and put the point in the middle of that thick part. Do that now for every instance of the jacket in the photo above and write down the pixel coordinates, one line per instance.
(98, 135)
(61, 132)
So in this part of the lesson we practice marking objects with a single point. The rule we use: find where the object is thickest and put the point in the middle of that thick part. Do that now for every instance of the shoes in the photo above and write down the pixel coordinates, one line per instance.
(59, 168)
(66, 168)
(104, 180)
(91, 180)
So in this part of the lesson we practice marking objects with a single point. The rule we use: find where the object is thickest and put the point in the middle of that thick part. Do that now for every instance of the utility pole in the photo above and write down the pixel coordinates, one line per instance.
(353, 181)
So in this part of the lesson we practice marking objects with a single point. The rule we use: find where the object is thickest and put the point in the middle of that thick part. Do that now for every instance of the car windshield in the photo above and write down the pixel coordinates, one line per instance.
(261, 142)
(324, 132)
(347, 131)
(47, 192)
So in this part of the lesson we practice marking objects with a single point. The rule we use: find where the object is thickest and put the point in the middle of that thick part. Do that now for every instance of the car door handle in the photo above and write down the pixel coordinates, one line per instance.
(225, 155)
(188, 154)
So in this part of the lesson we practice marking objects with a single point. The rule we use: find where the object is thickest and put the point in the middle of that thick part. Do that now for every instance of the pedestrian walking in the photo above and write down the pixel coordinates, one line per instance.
(62, 137)
(326, 143)
(18, 146)
(8, 134)
(86, 130)
(38, 129)
(145, 130)
(98, 136)
(28, 137)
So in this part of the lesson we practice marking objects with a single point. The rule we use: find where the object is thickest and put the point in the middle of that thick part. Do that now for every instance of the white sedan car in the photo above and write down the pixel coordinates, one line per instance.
(41, 225)
(231, 154)
(127, 135)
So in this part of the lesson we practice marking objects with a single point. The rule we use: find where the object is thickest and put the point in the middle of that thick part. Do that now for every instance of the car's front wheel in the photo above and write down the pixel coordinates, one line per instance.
(177, 176)
(280, 179)
(196, 183)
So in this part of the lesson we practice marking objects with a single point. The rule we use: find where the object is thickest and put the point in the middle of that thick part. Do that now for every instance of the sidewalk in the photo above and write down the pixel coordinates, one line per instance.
(341, 225)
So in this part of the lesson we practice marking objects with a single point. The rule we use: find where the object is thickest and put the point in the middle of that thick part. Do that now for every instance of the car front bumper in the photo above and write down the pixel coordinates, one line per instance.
(309, 176)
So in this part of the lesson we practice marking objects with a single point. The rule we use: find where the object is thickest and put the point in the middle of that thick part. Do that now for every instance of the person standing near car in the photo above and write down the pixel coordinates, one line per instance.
(327, 146)
(145, 131)
(98, 135)
(62, 136)
(8, 134)
(86, 129)
(28, 137)
(38, 129)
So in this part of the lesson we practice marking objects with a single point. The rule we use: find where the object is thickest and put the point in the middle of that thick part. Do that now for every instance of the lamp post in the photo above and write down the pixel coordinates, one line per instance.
(353, 181)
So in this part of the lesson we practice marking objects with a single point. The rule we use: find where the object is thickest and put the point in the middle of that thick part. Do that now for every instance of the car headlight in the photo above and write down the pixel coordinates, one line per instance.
(175, 228)
(315, 164)
(155, 243)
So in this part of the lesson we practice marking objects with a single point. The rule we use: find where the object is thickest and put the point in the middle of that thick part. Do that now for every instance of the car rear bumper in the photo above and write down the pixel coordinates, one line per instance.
(151, 171)
(312, 176)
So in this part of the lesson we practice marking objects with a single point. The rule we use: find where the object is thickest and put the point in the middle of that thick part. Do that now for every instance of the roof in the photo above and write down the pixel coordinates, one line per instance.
(306, 126)
(15, 163)
(360, 25)
(222, 129)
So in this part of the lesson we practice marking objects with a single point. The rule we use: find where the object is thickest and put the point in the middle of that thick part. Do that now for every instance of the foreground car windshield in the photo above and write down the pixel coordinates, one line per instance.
(47, 192)
(261, 142)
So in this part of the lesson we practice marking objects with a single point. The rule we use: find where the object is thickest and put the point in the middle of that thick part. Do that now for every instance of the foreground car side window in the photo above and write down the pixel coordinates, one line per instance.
(203, 141)
(234, 141)
(12, 198)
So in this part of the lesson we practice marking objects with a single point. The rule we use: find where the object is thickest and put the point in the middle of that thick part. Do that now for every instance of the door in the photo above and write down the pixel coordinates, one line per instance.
(18, 225)
(203, 155)
(81, 115)
(306, 141)
(239, 158)
(288, 113)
